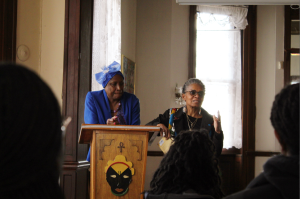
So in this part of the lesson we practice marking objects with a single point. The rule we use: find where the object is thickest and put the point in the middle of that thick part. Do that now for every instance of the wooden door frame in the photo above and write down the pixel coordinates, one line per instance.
(76, 83)
(249, 95)
(8, 22)
(289, 15)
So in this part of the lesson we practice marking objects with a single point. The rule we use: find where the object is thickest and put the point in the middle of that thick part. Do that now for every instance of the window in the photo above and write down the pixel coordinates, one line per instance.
(218, 66)
(106, 36)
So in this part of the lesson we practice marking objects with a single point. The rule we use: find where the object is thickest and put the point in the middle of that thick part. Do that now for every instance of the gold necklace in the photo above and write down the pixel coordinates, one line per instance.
(192, 123)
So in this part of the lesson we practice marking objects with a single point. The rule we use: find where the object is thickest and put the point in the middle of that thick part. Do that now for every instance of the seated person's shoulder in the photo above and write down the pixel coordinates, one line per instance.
(261, 191)
(188, 194)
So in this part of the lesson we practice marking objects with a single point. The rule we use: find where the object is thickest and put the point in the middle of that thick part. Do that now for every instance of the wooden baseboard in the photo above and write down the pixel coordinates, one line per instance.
(155, 153)
(262, 153)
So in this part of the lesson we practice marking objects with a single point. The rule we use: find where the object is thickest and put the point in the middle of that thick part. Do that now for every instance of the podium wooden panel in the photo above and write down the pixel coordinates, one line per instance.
(108, 141)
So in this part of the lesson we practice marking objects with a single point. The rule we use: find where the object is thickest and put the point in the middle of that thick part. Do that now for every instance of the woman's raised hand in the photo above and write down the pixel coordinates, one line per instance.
(164, 131)
(217, 123)
(113, 120)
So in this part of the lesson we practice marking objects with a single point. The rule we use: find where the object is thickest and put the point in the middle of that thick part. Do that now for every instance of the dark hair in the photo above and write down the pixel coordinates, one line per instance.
(192, 81)
(189, 164)
(30, 136)
(285, 118)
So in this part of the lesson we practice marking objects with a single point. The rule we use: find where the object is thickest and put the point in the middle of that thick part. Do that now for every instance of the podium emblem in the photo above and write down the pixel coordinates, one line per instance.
(119, 175)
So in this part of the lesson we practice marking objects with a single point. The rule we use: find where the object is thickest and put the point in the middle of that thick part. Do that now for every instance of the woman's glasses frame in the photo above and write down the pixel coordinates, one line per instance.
(194, 92)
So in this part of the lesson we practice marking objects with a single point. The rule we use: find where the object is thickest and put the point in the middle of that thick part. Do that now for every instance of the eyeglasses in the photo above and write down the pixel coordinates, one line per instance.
(193, 93)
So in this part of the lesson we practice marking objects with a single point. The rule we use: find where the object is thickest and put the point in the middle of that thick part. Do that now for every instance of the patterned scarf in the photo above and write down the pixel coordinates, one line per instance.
(171, 129)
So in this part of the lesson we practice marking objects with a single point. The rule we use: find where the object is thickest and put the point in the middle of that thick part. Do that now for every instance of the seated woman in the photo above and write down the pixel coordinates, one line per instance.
(111, 105)
(30, 136)
(190, 167)
(192, 116)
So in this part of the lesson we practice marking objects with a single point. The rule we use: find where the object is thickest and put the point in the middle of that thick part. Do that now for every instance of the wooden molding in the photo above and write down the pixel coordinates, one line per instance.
(261, 153)
(287, 44)
(192, 42)
(155, 153)
(8, 23)
(289, 14)
(76, 71)
(232, 150)
(103, 144)
(249, 95)
(71, 76)
(76, 165)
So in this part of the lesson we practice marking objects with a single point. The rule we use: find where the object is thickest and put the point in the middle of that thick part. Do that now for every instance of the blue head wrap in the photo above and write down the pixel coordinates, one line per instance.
(108, 72)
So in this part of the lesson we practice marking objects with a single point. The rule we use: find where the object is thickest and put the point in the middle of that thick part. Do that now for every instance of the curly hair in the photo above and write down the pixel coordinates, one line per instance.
(285, 118)
(30, 136)
(193, 81)
(189, 164)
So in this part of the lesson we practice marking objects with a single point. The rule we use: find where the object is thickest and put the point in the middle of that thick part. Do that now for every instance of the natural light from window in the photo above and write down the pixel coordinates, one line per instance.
(218, 66)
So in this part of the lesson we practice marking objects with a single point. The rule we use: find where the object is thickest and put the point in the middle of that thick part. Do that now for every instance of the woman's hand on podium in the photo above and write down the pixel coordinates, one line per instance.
(164, 131)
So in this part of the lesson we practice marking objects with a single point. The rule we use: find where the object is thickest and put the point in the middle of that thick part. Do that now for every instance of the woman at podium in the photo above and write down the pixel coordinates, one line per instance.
(192, 116)
(111, 105)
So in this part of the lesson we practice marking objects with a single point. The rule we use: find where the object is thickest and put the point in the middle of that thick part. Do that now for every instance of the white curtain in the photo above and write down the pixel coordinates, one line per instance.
(218, 65)
(237, 15)
(106, 36)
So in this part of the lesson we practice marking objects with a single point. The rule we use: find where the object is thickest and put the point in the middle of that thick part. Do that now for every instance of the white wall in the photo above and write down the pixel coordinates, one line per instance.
(269, 79)
(40, 26)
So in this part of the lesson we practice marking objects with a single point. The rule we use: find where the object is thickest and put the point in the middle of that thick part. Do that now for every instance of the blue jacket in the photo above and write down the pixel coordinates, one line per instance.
(97, 109)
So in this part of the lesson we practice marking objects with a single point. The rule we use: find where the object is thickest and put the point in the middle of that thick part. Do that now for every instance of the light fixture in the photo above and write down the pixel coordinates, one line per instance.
(178, 94)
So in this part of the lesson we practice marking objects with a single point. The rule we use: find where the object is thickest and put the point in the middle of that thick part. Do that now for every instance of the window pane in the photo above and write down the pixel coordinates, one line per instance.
(218, 65)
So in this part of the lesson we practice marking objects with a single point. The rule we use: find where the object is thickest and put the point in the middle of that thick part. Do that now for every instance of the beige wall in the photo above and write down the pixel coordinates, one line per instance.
(29, 32)
(128, 28)
(40, 26)
(52, 44)
(269, 79)
(161, 58)
(161, 54)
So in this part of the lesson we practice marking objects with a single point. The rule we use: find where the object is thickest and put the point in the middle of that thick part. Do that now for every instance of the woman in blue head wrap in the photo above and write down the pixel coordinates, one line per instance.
(111, 105)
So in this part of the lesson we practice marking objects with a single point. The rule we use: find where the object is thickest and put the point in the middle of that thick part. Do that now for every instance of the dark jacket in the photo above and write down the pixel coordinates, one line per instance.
(280, 180)
(177, 196)
(207, 123)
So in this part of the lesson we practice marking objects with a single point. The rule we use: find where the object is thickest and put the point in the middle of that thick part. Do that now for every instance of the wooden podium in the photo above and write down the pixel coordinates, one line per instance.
(118, 159)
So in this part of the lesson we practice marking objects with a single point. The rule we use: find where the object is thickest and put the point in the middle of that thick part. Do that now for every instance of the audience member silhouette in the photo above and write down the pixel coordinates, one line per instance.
(189, 168)
(280, 178)
(30, 136)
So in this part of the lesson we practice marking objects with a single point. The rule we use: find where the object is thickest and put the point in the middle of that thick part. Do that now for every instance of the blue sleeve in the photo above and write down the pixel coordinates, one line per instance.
(88, 158)
(90, 112)
(136, 112)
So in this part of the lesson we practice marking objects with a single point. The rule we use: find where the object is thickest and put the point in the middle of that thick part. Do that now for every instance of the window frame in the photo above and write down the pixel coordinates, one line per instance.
(248, 51)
